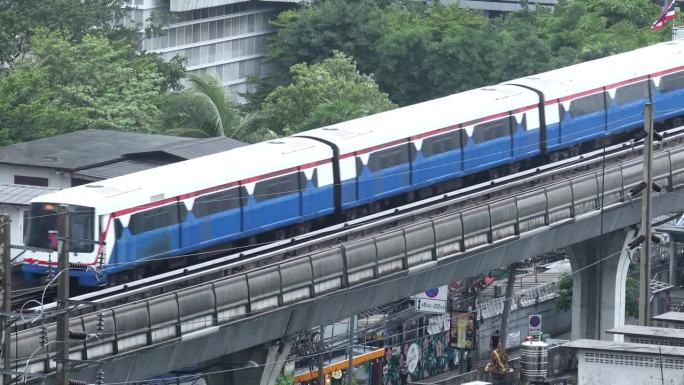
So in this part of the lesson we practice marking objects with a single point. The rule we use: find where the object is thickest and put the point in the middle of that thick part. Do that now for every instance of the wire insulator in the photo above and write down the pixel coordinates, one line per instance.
(42, 335)
(99, 377)
(636, 242)
(78, 265)
(77, 335)
(77, 382)
(100, 322)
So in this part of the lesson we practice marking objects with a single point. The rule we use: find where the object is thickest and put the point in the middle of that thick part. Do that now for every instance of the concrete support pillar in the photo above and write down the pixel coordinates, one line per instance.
(673, 264)
(599, 279)
(259, 365)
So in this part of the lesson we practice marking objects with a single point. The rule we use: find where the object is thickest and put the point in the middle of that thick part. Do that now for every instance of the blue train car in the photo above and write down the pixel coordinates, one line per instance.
(412, 147)
(186, 207)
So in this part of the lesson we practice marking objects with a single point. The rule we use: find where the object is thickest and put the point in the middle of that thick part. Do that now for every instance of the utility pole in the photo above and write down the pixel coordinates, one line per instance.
(645, 261)
(350, 366)
(508, 300)
(321, 357)
(63, 297)
(6, 276)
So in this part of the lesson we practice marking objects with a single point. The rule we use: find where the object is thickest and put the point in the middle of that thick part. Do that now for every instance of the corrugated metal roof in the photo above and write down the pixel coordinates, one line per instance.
(81, 149)
(116, 169)
(194, 148)
(21, 194)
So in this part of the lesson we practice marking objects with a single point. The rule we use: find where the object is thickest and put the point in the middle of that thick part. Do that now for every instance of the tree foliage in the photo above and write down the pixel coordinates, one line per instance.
(20, 19)
(564, 299)
(322, 94)
(418, 53)
(206, 109)
(64, 86)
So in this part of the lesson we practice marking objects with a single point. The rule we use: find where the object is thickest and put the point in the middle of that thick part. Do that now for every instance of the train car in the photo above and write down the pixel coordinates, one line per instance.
(198, 204)
(183, 207)
(383, 155)
(605, 97)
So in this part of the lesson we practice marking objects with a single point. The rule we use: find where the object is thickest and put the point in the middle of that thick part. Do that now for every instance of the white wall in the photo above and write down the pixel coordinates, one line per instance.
(625, 368)
(55, 179)
(16, 213)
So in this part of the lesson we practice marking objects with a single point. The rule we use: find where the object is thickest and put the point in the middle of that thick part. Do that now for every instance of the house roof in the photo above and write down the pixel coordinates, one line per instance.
(193, 148)
(83, 149)
(115, 169)
(21, 194)
(159, 156)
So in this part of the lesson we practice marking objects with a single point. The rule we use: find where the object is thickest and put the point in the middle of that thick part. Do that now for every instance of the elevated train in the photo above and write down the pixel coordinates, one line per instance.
(203, 203)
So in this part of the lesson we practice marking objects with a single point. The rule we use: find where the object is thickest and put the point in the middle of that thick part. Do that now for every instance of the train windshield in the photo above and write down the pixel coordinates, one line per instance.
(42, 218)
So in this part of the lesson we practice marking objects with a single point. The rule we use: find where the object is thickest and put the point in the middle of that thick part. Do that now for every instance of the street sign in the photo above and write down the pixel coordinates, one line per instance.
(534, 324)
(432, 301)
(430, 305)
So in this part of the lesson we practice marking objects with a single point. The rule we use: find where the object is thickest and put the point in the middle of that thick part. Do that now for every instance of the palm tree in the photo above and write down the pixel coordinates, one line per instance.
(205, 110)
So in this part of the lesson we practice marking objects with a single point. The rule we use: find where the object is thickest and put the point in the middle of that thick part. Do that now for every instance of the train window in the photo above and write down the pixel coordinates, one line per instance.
(81, 229)
(217, 202)
(631, 93)
(42, 218)
(388, 157)
(492, 130)
(155, 219)
(672, 82)
(441, 143)
(587, 105)
(277, 187)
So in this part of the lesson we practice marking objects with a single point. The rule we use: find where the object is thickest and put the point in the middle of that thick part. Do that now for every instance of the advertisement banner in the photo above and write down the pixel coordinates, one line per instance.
(462, 333)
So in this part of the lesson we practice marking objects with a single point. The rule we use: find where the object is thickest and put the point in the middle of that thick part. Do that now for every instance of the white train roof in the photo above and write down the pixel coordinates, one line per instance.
(193, 175)
(607, 71)
(424, 117)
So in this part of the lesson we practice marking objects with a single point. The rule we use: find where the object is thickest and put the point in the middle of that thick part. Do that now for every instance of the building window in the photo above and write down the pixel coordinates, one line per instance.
(30, 180)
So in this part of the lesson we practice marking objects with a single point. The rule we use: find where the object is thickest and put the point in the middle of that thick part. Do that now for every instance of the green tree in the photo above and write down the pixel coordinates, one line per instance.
(589, 29)
(522, 51)
(285, 379)
(564, 299)
(323, 94)
(309, 35)
(19, 19)
(62, 86)
(632, 292)
(206, 110)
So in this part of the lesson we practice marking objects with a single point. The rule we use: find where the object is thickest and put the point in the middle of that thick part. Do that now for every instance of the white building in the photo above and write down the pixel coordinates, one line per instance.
(496, 7)
(224, 38)
(14, 199)
(613, 363)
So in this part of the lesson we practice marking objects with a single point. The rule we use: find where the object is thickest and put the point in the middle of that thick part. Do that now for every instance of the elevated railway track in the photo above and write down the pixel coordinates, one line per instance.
(238, 261)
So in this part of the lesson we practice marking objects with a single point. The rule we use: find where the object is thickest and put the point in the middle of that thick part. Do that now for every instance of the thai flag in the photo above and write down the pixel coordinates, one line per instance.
(668, 14)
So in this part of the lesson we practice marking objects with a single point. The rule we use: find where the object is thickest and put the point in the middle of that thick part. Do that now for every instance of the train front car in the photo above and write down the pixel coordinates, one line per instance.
(40, 226)
(148, 222)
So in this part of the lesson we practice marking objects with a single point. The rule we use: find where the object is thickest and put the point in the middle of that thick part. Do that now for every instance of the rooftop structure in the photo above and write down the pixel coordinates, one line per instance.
(672, 319)
(613, 363)
(650, 335)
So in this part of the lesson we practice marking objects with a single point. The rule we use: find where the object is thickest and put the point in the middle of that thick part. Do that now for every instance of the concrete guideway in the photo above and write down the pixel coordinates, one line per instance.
(202, 324)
